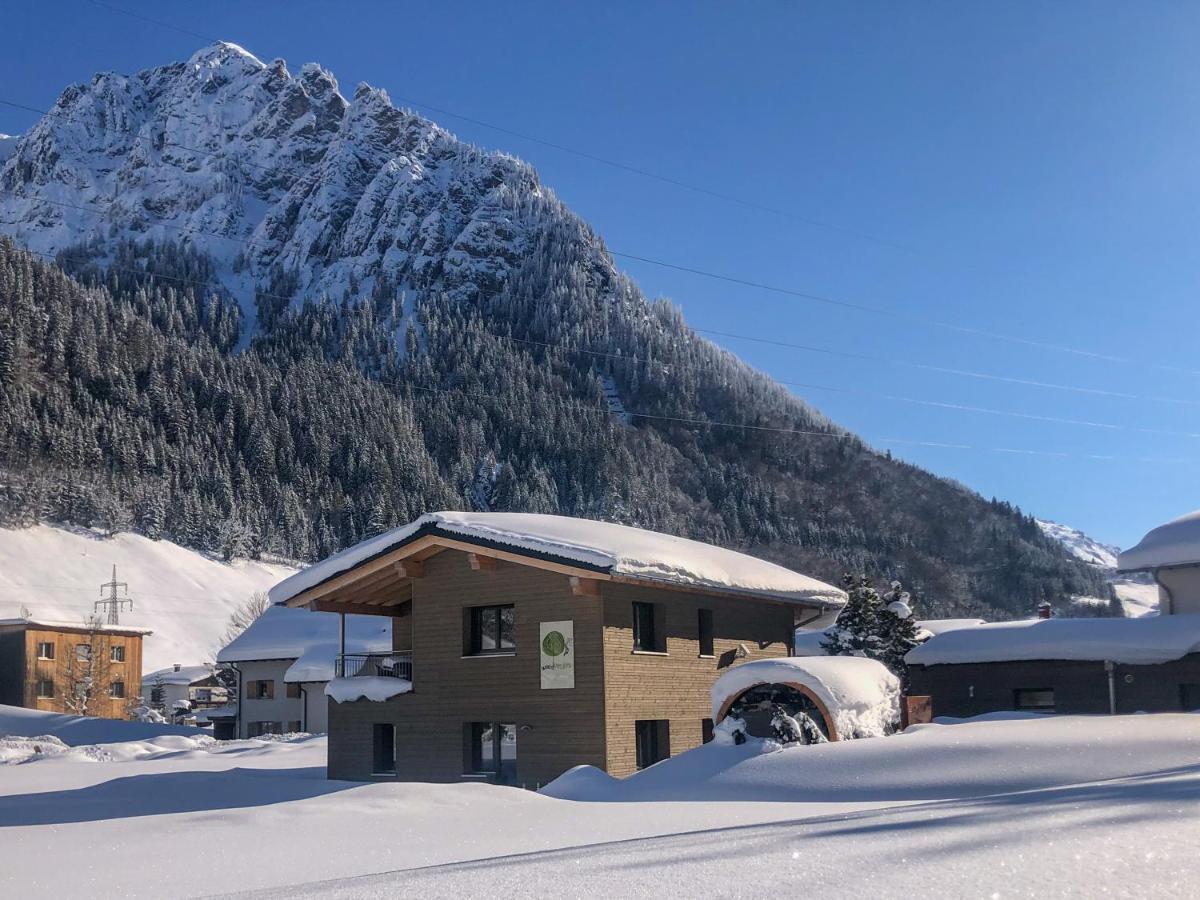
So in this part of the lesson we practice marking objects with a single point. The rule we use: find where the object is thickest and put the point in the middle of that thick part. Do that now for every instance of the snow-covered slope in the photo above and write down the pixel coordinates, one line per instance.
(185, 596)
(1081, 546)
(1137, 592)
(256, 164)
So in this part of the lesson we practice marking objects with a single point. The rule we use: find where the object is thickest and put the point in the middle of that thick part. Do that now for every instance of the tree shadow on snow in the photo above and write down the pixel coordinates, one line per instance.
(165, 793)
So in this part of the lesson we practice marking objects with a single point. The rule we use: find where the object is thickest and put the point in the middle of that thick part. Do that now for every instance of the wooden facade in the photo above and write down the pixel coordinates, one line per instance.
(616, 686)
(40, 662)
(1074, 686)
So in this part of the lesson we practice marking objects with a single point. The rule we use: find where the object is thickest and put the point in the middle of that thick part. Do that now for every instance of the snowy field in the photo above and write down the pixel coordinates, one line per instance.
(1069, 806)
(185, 596)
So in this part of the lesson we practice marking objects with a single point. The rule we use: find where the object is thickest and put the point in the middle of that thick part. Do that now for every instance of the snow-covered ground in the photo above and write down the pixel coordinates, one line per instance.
(1000, 807)
(184, 596)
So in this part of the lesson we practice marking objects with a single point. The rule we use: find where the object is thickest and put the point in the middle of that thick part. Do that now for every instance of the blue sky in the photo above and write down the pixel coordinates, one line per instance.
(1025, 169)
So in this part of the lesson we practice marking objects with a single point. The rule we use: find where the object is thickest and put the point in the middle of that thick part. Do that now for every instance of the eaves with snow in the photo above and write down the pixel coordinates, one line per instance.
(601, 547)
(1177, 543)
(309, 639)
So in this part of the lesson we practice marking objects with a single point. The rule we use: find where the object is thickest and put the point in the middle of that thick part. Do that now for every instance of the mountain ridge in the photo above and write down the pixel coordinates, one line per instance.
(429, 286)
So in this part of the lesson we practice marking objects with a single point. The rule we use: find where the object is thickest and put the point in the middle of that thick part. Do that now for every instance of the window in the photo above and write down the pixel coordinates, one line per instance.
(652, 738)
(294, 726)
(257, 729)
(647, 630)
(45, 650)
(117, 654)
(293, 690)
(202, 695)
(116, 690)
(706, 730)
(490, 629)
(492, 750)
(45, 689)
(705, 626)
(260, 690)
(384, 740)
(1034, 699)
(83, 651)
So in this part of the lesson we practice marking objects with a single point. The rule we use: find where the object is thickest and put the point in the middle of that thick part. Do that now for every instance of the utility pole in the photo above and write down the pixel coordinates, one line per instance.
(114, 602)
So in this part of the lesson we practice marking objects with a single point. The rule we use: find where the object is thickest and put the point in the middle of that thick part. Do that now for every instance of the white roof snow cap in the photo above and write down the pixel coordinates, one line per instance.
(182, 675)
(1146, 641)
(284, 633)
(599, 546)
(1176, 543)
(85, 626)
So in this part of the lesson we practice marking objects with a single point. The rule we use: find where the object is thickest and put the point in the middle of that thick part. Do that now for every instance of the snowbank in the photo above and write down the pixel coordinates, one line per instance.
(1177, 543)
(76, 730)
(184, 596)
(368, 687)
(601, 546)
(283, 633)
(862, 696)
(1146, 641)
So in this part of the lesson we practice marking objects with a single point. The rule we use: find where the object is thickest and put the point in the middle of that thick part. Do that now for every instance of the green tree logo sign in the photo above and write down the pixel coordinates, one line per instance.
(554, 644)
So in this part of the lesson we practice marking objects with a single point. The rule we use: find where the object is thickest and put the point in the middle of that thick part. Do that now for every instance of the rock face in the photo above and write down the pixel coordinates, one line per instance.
(265, 170)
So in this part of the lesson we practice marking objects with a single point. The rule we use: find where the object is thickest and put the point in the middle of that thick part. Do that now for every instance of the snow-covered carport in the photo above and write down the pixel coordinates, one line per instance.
(846, 696)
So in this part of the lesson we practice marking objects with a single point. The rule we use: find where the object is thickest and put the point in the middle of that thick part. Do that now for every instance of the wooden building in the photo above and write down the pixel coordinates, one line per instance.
(526, 644)
(1099, 666)
(85, 668)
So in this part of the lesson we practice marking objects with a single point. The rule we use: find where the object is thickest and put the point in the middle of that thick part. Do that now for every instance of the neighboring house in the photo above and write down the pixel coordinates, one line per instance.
(283, 661)
(87, 668)
(524, 644)
(1062, 665)
(182, 690)
(1171, 554)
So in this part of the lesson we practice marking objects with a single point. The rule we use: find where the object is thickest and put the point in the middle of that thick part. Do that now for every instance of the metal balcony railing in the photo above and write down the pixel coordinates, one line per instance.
(397, 664)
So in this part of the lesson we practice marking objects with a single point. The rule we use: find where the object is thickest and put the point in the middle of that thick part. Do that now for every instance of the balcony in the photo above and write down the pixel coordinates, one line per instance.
(397, 664)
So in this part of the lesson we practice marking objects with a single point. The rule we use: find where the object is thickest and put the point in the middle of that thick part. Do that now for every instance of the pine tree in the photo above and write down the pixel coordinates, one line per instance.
(875, 627)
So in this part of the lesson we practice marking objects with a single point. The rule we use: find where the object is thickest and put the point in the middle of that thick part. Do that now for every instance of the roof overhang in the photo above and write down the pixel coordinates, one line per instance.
(382, 584)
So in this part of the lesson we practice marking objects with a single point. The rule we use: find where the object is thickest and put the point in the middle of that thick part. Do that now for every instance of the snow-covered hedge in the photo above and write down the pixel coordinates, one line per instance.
(373, 687)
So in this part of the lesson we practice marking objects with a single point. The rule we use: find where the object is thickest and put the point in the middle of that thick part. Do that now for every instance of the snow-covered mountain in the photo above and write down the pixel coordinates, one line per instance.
(1137, 593)
(185, 596)
(1083, 547)
(264, 170)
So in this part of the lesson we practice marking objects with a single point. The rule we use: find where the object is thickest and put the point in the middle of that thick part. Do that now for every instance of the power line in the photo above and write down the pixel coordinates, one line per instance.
(807, 385)
(242, 242)
(819, 298)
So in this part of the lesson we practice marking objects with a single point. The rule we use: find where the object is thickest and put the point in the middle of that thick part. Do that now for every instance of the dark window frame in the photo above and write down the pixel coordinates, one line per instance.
(383, 748)
(704, 631)
(477, 618)
(495, 766)
(649, 635)
(292, 689)
(651, 741)
(49, 695)
(46, 648)
(706, 731)
(116, 690)
(116, 653)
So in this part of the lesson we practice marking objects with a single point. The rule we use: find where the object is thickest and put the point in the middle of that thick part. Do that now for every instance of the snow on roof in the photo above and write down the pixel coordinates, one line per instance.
(1177, 543)
(284, 633)
(317, 662)
(1146, 641)
(808, 641)
(182, 675)
(600, 546)
(862, 696)
(89, 626)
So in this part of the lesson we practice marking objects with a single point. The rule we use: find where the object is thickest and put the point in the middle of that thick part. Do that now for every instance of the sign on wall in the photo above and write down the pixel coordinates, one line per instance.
(557, 649)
